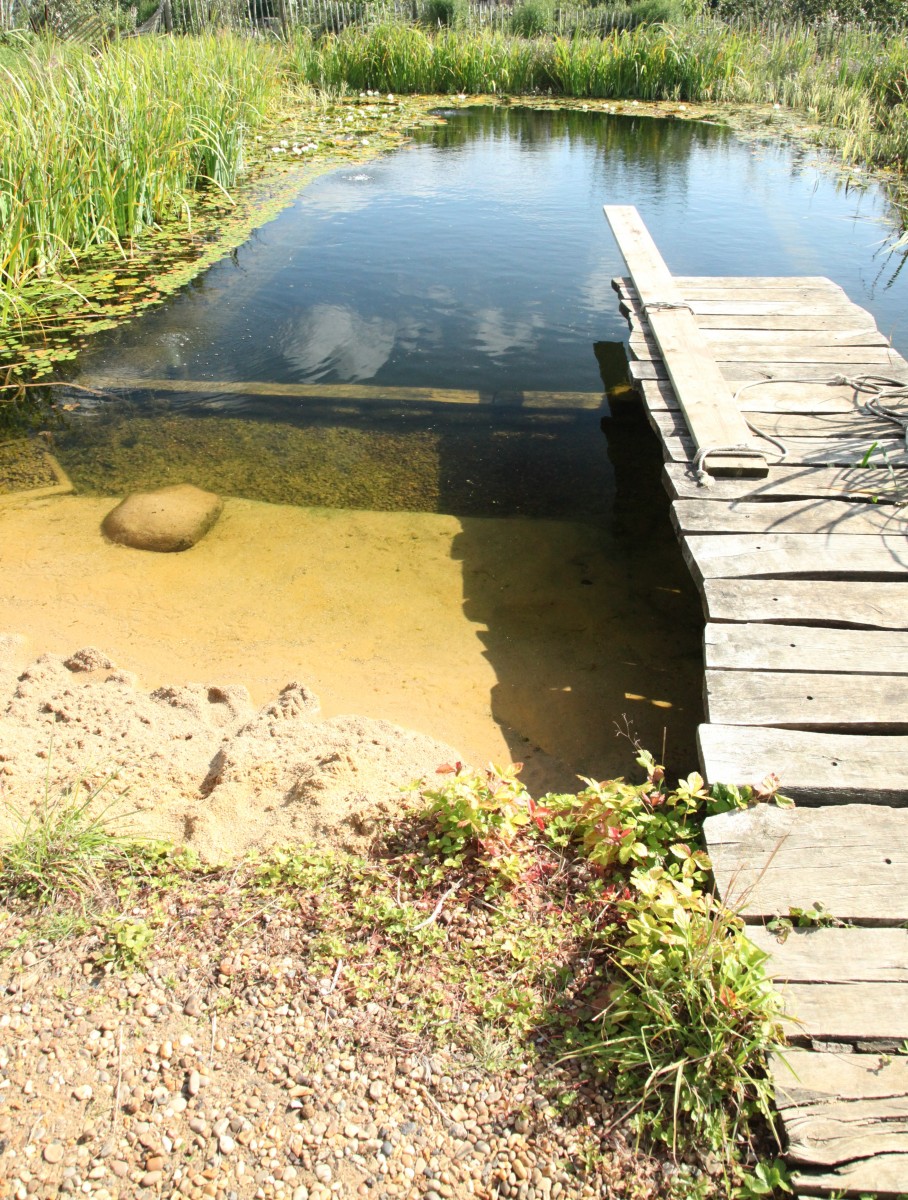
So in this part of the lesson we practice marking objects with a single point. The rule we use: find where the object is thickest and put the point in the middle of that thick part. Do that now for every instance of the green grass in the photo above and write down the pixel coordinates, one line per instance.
(64, 851)
(855, 81)
(97, 148)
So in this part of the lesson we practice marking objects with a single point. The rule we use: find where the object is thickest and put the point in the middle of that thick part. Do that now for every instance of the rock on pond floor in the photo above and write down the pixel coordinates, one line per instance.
(198, 764)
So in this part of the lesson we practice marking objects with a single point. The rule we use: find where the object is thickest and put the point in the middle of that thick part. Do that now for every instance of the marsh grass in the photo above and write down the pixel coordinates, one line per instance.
(96, 148)
(853, 81)
(65, 850)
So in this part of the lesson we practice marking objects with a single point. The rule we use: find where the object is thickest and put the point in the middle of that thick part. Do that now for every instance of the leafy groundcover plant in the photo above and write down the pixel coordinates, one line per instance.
(686, 1014)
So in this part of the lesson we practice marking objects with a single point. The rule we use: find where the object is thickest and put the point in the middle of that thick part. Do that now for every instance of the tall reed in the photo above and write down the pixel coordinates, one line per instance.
(855, 81)
(96, 148)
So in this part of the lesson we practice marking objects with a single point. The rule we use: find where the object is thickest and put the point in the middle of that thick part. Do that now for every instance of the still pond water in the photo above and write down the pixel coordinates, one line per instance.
(432, 334)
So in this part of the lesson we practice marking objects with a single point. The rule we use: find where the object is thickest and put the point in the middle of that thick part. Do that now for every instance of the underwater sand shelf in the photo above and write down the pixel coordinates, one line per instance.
(508, 638)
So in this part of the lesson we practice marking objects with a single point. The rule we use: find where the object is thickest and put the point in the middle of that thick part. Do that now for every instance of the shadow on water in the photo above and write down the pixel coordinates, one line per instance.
(592, 625)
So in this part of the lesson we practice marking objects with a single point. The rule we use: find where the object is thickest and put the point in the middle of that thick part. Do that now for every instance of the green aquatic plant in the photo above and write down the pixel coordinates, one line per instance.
(97, 149)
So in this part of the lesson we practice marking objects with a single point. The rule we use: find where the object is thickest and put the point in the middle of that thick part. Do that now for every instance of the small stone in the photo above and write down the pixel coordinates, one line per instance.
(376, 1089)
(53, 1152)
(83, 1092)
(323, 1172)
(226, 1144)
(193, 1006)
(194, 1083)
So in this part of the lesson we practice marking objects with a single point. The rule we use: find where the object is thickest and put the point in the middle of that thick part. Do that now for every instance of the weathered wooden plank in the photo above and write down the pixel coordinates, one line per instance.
(846, 1012)
(849, 603)
(734, 556)
(882, 358)
(812, 452)
(710, 413)
(815, 768)
(805, 648)
(784, 336)
(852, 859)
(841, 1108)
(840, 985)
(791, 482)
(778, 302)
(354, 392)
(782, 282)
(819, 955)
(788, 516)
(808, 700)
(736, 373)
(844, 321)
(830, 451)
(881, 1176)
(780, 330)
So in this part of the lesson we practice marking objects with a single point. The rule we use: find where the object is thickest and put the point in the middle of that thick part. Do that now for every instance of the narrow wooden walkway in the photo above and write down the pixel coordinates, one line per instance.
(790, 498)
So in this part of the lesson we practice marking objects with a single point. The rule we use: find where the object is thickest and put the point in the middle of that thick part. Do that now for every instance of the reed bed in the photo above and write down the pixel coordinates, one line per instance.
(854, 81)
(98, 147)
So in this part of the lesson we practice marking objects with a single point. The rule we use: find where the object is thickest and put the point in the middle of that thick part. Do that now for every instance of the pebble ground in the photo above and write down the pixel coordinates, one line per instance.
(243, 1074)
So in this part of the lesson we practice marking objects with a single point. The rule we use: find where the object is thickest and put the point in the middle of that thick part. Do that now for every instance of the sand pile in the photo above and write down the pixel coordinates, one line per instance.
(197, 764)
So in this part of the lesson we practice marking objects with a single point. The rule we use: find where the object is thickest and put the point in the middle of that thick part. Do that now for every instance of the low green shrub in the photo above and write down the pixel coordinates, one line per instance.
(689, 1015)
(532, 18)
(445, 13)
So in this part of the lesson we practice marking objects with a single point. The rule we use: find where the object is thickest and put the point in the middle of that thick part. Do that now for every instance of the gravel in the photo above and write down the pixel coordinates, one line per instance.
(246, 1075)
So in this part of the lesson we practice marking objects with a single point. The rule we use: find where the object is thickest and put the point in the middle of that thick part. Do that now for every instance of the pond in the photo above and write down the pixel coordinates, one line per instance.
(436, 516)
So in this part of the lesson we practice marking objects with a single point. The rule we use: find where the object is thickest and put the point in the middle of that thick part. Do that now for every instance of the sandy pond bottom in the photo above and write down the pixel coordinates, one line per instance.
(506, 638)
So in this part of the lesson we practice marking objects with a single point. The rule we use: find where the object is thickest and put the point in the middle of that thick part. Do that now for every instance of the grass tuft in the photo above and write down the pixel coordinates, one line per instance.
(65, 852)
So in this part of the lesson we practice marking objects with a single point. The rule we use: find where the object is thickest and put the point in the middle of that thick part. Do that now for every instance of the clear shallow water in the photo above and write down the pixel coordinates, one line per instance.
(477, 261)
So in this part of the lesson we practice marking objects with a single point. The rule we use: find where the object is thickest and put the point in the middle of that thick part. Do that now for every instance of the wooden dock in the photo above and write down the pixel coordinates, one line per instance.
(785, 437)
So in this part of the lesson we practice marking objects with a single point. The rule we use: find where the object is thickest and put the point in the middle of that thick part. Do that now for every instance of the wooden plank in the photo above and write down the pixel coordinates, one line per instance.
(782, 282)
(882, 358)
(712, 417)
(842, 556)
(815, 768)
(788, 516)
(840, 985)
(818, 410)
(812, 452)
(852, 859)
(804, 648)
(841, 1109)
(845, 1012)
(808, 699)
(355, 392)
(851, 603)
(790, 482)
(879, 1177)
(729, 304)
(784, 336)
(855, 321)
(736, 373)
(818, 955)
(782, 330)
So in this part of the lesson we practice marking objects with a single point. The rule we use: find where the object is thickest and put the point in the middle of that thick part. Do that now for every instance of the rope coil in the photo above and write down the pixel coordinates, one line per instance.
(878, 387)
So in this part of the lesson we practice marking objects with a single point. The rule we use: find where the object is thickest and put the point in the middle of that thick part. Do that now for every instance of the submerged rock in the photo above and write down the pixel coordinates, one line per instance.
(168, 519)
